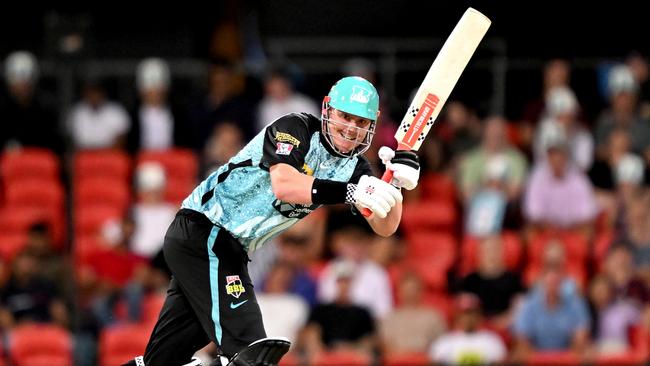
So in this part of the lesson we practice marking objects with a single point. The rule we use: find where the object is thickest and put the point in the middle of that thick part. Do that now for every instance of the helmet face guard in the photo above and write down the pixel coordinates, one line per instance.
(362, 145)
(355, 96)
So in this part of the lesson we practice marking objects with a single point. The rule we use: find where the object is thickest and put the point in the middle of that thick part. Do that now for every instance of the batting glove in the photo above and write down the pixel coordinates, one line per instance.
(374, 194)
(404, 164)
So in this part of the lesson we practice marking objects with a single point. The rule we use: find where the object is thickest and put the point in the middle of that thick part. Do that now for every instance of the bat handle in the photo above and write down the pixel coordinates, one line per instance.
(387, 177)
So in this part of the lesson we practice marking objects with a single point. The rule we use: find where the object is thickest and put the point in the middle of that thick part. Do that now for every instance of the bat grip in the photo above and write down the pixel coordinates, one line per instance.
(387, 177)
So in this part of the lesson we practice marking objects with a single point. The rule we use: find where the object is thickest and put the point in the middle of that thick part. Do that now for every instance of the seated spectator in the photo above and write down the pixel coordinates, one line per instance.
(494, 142)
(29, 297)
(412, 326)
(370, 284)
(623, 113)
(30, 118)
(226, 141)
(97, 123)
(157, 124)
(487, 207)
(151, 213)
(558, 194)
(284, 313)
(626, 283)
(562, 112)
(636, 233)
(611, 318)
(495, 286)
(115, 273)
(467, 344)
(459, 128)
(280, 98)
(339, 325)
(52, 266)
(553, 317)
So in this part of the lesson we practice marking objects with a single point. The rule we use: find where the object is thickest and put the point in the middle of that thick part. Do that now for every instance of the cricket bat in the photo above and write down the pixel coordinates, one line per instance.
(438, 83)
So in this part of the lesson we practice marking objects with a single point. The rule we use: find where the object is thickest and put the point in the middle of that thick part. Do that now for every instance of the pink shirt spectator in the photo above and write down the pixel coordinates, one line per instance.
(557, 201)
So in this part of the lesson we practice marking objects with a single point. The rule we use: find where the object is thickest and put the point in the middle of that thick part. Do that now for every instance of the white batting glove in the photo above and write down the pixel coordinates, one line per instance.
(374, 194)
(404, 164)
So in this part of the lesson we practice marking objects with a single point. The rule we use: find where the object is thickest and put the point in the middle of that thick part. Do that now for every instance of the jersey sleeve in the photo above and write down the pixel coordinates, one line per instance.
(362, 168)
(286, 141)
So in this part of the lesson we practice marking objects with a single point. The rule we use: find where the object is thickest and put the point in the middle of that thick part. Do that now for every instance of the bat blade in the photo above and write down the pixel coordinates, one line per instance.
(441, 79)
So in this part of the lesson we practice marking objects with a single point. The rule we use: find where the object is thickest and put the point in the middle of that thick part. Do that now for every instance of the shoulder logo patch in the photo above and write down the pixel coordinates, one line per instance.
(285, 137)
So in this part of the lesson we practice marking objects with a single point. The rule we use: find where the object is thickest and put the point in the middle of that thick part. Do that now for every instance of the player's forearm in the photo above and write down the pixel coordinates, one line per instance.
(291, 186)
(388, 225)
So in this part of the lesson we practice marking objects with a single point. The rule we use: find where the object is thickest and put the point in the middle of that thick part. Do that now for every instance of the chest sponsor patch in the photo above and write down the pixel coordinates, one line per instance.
(285, 137)
(283, 149)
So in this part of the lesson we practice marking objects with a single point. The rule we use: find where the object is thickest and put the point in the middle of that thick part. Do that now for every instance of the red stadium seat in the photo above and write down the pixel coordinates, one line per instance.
(341, 358)
(436, 248)
(406, 359)
(31, 163)
(512, 252)
(11, 244)
(429, 215)
(575, 244)
(179, 163)
(36, 194)
(602, 243)
(98, 191)
(290, 359)
(121, 343)
(84, 247)
(40, 344)
(177, 190)
(151, 306)
(89, 219)
(113, 165)
(17, 221)
(437, 187)
(553, 359)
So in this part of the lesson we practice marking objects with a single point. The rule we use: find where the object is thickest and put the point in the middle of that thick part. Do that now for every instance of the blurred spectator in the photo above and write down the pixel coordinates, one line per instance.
(370, 285)
(115, 273)
(412, 326)
(97, 123)
(638, 65)
(473, 167)
(151, 213)
(52, 266)
(339, 324)
(29, 297)
(556, 73)
(602, 172)
(562, 112)
(552, 318)
(226, 141)
(611, 318)
(559, 194)
(459, 130)
(495, 286)
(626, 284)
(623, 113)
(284, 313)
(157, 124)
(224, 101)
(280, 98)
(29, 118)
(467, 344)
(486, 209)
(636, 234)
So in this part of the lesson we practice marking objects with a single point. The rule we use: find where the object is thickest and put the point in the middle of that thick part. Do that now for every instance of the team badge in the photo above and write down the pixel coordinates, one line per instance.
(283, 149)
(234, 286)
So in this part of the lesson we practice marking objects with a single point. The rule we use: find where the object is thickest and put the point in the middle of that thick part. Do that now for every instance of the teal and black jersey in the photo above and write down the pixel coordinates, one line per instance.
(238, 196)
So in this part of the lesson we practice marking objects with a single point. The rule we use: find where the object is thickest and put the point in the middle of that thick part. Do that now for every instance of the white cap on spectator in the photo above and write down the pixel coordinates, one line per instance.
(629, 169)
(553, 135)
(21, 66)
(343, 269)
(152, 73)
(561, 100)
(150, 176)
(496, 167)
(621, 80)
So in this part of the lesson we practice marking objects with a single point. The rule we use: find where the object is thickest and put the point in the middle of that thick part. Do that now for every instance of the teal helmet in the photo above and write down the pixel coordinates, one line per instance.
(357, 96)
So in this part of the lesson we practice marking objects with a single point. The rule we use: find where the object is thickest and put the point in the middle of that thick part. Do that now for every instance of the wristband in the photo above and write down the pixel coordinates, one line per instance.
(328, 192)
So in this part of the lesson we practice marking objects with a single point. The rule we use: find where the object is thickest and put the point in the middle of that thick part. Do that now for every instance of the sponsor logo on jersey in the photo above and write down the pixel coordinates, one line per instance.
(283, 149)
(307, 170)
(285, 137)
(234, 286)
(360, 95)
(293, 211)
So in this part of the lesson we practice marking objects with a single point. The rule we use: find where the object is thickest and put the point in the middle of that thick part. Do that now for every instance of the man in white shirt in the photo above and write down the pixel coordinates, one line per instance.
(468, 345)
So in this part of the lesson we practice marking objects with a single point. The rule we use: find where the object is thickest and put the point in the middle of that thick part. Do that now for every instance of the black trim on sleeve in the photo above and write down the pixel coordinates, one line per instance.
(223, 176)
(287, 140)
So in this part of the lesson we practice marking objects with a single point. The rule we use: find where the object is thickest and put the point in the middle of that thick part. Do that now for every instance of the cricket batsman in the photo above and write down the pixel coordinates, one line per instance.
(296, 164)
